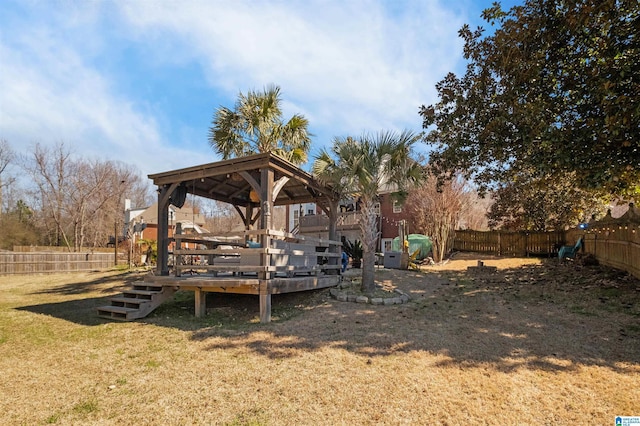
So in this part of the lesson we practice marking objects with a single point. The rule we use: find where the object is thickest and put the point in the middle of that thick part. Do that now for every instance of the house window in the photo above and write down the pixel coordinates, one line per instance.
(376, 209)
(296, 218)
(310, 212)
(397, 207)
(386, 244)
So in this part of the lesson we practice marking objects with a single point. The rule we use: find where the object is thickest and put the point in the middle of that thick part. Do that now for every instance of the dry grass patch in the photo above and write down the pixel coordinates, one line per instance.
(535, 341)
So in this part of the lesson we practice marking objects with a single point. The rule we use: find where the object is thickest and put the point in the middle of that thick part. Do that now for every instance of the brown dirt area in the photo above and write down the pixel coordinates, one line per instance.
(533, 343)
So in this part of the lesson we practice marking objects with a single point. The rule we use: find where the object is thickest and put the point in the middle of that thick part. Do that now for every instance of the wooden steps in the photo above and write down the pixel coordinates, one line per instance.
(137, 302)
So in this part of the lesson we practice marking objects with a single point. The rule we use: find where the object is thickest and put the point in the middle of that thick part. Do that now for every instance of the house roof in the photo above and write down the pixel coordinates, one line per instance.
(184, 214)
(224, 181)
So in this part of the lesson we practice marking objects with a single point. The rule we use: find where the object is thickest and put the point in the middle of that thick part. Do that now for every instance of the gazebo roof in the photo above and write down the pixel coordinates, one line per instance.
(227, 180)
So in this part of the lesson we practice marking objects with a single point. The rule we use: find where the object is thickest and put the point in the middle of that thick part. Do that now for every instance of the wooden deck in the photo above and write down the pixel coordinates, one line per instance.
(208, 283)
(234, 263)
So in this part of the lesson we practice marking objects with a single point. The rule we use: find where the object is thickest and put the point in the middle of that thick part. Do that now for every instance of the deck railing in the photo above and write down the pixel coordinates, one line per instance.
(240, 253)
(320, 222)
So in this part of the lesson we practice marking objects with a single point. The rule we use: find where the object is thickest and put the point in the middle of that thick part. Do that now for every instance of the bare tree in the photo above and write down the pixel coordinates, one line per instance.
(111, 183)
(7, 156)
(50, 171)
(437, 210)
(81, 201)
(221, 216)
(93, 191)
(475, 214)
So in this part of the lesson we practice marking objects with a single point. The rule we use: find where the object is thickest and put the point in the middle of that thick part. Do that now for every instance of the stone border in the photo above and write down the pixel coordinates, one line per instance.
(395, 300)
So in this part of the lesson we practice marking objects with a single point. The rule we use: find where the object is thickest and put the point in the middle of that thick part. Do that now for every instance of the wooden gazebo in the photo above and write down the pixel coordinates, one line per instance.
(259, 260)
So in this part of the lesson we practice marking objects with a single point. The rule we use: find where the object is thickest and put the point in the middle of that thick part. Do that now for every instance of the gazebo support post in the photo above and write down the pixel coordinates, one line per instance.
(333, 234)
(200, 302)
(266, 223)
(164, 198)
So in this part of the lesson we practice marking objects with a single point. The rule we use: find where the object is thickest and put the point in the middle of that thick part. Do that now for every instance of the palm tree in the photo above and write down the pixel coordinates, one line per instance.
(361, 169)
(256, 126)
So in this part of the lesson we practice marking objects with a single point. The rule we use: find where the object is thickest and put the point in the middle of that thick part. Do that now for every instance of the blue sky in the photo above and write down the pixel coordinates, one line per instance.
(139, 81)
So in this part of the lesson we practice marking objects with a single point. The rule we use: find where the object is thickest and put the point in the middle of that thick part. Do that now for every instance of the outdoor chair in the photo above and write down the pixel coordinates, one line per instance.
(569, 252)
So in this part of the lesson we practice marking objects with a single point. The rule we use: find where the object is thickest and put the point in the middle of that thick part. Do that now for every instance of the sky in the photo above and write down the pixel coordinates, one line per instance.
(139, 81)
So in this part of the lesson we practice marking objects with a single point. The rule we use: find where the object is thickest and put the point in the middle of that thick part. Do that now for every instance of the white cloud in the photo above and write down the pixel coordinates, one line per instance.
(51, 95)
(350, 65)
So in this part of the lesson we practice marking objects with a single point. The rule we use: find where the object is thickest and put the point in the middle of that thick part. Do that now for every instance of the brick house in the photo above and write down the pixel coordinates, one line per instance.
(183, 217)
(308, 219)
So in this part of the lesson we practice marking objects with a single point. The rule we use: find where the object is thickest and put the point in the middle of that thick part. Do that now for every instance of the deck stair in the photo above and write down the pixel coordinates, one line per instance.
(137, 302)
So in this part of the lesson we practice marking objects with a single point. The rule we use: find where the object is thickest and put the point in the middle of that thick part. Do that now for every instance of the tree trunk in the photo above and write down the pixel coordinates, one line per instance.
(369, 231)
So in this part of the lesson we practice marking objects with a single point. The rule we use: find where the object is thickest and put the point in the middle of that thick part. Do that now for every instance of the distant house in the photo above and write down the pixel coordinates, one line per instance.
(308, 219)
(392, 212)
(295, 211)
(185, 217)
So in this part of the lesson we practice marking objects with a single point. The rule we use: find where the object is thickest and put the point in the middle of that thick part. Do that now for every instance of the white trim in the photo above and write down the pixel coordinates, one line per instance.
(386, 242)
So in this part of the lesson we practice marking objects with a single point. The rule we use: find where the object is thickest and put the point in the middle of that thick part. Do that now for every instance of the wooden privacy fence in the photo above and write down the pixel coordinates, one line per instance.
(614, 242)
(61, 249)
(504, 243)
(42, 263)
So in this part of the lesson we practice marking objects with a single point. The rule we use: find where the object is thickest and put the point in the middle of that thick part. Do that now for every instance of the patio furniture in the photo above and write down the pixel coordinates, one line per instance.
(569, 252)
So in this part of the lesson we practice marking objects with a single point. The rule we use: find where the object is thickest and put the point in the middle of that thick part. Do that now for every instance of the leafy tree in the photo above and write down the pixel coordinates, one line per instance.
(361, 168)
(255, 125)
(553, 92)
(17, 227)
(542, 204)
(354, 251)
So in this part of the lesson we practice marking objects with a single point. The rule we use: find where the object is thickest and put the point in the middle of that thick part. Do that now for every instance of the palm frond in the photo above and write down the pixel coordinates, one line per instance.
(255, 125)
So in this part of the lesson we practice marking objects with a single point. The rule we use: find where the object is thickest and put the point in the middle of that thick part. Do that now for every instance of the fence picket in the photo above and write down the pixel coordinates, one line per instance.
(613, 242)
(503, 243)
(52, 262)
